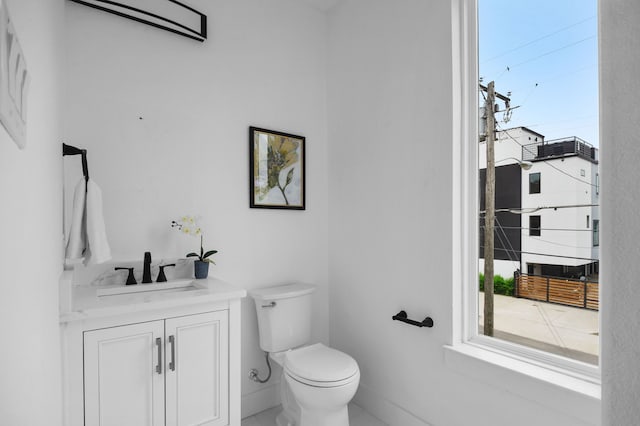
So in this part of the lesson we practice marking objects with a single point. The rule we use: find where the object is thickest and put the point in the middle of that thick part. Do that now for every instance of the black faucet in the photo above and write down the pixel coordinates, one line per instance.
(146, 274)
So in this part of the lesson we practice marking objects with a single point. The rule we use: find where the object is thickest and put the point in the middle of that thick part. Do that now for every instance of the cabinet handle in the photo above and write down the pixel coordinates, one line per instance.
(172, 364)
(159, 345)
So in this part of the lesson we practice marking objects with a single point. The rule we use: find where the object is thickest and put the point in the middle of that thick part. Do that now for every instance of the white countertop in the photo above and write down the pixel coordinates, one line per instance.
(84, 302)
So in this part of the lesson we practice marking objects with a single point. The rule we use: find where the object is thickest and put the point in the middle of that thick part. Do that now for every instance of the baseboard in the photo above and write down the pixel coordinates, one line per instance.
(263, 399)
(385, 410)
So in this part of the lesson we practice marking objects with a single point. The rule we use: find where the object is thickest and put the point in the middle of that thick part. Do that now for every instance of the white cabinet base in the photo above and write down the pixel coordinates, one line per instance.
(170, 367)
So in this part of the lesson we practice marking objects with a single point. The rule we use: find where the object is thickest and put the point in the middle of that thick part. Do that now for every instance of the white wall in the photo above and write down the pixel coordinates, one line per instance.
(165, 120)
(620, 126)
(390, 192)
(30, 218)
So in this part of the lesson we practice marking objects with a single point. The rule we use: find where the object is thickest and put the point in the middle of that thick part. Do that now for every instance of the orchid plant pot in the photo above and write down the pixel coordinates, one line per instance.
(201, 269)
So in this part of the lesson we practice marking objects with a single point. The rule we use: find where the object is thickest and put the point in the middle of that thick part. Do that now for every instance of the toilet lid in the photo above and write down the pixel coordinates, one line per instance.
(318, 363)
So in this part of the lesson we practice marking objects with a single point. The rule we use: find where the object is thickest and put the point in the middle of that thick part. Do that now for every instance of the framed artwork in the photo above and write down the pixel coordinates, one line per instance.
(14, 81)
(276, 170)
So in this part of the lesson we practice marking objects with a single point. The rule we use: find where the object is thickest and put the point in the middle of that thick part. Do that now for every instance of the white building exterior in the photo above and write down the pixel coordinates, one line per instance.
(558, 205)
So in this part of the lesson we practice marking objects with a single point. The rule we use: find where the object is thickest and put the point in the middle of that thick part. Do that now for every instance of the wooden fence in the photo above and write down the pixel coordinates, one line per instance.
(582, 294)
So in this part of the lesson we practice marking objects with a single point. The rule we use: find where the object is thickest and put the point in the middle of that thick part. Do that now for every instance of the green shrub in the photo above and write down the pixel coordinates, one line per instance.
(500, 284)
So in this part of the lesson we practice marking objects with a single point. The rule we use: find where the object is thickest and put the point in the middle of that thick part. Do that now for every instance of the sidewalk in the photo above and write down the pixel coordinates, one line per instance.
(564, 330)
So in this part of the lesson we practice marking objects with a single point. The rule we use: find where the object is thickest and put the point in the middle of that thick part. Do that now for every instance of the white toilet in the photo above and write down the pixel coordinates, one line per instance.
(318, 381)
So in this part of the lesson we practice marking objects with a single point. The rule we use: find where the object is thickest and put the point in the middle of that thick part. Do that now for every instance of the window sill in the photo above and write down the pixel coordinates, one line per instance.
(567, 393)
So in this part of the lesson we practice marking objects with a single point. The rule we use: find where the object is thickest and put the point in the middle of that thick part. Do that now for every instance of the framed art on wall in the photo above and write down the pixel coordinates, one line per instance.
(14, 81)
(276, 170)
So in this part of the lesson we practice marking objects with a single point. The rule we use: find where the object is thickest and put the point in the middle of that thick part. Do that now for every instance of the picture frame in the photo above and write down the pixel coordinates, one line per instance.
(168, 15)
(276, 170)
(14, 81)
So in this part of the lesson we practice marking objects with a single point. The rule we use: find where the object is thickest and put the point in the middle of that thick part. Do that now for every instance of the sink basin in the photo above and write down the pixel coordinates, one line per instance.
(166, 287)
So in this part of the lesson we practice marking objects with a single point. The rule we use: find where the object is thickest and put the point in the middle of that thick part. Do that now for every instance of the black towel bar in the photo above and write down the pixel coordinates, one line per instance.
(72, 150)
(402, 316)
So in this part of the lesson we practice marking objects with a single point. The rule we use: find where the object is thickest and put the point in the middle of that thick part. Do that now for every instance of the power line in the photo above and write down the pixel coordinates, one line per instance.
(547, 229)
(584, 117)
(501, 228)
(542, 55)
(527, 210)
(572, 72)
(542, 82)
(552, 51)
(526, 98)
(521, 210)
(560, 244)
(549, 255)
(538, 39)
(515, 261)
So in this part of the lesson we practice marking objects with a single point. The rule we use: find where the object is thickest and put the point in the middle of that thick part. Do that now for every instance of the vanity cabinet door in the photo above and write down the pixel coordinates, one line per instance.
(197, 370)
(124, 375)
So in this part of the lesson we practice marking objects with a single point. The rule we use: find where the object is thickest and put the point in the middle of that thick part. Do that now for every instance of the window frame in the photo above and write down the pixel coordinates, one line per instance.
(465, 208)
(539, 184)
(535, 231)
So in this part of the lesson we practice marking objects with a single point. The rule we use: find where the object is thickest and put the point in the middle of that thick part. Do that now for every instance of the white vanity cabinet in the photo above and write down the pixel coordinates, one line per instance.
(171, 372)
(153, 360)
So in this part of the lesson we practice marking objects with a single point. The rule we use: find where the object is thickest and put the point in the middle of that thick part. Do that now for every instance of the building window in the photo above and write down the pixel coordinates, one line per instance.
(534, 226)
(588, 220)
(597, 184)
(534, 183)
(596, 232)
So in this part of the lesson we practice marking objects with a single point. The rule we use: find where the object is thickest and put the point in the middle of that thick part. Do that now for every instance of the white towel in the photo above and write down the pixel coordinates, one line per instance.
(77, 234)
(98, 246)
(88, 236)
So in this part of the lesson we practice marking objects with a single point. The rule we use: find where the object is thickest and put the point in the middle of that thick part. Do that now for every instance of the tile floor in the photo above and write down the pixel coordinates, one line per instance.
(357, 417)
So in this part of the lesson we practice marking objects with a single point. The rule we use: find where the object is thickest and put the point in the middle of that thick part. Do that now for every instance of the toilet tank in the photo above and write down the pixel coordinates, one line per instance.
(284, 315)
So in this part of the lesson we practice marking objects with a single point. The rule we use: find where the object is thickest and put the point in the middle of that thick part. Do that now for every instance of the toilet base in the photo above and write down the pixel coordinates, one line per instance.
(333, 418)
(283, 420)
(309, 418)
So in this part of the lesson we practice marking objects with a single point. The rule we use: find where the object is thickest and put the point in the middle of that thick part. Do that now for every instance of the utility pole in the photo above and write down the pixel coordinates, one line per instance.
(490, 209)
(490, 202)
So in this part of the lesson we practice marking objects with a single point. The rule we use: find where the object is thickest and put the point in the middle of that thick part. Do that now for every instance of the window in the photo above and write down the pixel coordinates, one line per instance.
(596, 232)
(508, 72)
(534, 183)
(597, 184)
(534, 226)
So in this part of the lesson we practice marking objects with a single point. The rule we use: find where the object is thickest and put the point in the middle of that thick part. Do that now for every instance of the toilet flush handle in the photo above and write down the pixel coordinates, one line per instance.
(270, 305)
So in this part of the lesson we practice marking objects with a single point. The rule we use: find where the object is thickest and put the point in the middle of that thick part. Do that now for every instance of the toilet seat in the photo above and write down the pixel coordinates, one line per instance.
(320, 366)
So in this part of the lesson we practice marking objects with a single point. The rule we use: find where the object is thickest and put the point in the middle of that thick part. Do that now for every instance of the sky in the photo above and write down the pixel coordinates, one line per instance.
(544, 52)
